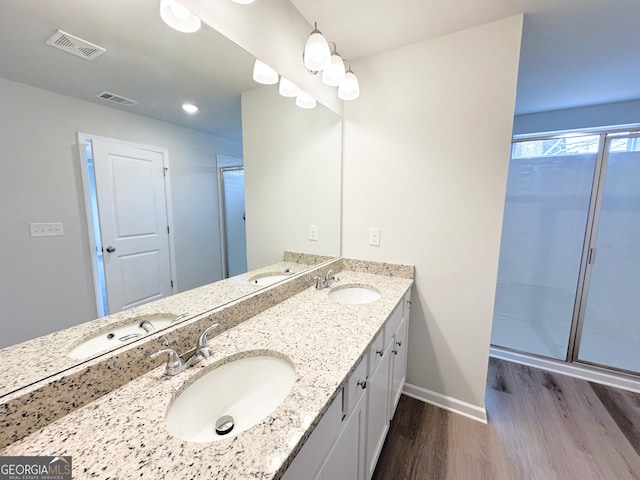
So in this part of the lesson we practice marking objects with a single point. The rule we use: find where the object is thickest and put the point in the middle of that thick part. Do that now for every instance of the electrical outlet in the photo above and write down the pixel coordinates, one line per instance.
(313, 233)
(374, 236)
(46, 229)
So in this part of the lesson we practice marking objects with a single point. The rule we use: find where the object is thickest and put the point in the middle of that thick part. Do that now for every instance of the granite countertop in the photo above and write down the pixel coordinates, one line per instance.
(123, 434)
(46, 355)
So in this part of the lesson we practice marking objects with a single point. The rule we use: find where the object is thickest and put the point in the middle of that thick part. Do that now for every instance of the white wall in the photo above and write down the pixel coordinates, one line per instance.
(292, 160)
(594, 116)
(46, 282)
(425, 160)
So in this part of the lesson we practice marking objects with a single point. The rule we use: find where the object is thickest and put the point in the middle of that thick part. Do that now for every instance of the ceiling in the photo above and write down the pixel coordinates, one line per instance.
(574, 52)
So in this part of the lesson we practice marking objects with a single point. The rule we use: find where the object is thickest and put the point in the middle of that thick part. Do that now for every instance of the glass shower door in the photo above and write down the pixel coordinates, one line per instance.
(549, 187)
(610, 334)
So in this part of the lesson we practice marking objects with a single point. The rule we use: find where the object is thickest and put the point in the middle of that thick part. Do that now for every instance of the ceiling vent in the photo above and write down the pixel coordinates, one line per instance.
(74, 45)
(120, 100)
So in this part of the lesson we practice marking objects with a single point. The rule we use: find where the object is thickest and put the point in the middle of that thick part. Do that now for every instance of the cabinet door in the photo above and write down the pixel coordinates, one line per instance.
(399, 365)
(377, 409)
(346, 460)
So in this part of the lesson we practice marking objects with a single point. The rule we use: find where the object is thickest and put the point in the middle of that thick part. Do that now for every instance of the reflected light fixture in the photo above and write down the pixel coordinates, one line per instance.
(263, 73)
(287, 88)
(178, 17)
(349, 89)
(189, 108)
(316, 55)
(304, 100)
(334, 74)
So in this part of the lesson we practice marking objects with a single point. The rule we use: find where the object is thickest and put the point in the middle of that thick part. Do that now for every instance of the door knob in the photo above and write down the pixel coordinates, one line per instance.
(111, 249)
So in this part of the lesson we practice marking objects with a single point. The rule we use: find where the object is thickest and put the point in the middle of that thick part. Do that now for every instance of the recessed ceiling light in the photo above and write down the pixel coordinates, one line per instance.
(189, 108)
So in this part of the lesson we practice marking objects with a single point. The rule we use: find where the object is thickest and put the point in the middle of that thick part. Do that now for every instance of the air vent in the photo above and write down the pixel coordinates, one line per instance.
(119, 99)
(74, 45)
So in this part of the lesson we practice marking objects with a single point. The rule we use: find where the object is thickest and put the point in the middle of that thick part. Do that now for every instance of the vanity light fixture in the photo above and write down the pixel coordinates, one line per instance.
(321, 56)
(243, 2)
(334, 74)
(263, 73)
(189, 108)
(349, 89)
(304, 100)
(179, 17)
(287, 88)
(316, 55)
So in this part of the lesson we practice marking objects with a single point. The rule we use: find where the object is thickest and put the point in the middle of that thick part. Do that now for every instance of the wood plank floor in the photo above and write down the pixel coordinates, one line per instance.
(542, 426)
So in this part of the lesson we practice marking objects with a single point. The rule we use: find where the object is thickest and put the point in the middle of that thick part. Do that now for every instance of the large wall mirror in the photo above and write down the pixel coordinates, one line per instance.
(49, 96)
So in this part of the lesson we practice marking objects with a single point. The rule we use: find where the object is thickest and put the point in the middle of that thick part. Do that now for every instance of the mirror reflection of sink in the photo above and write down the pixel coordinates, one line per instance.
(123, 332)
(269, 278)
(354, 294)
(247, 390)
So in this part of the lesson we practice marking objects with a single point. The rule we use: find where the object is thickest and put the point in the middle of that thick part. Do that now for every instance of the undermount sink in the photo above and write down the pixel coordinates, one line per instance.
(354, 294)
(123, 332)
(230, 399)
(269, 278)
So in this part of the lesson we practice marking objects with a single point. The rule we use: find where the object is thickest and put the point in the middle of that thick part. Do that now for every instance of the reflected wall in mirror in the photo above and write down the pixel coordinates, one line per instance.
(49, 96)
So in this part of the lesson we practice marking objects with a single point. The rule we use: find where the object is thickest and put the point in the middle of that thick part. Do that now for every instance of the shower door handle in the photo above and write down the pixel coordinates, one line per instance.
(592, 256)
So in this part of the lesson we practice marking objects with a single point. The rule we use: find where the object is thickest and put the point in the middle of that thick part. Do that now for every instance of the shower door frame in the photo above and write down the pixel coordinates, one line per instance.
(589, 253)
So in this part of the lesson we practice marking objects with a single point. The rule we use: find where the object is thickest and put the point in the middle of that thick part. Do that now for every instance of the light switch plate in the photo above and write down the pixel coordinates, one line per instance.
(374, 237)
(313, 233)
(46, 229)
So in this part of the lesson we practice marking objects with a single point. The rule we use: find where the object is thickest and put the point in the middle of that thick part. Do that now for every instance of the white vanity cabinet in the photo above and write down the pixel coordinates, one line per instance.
(335, 448)
(399, 357)
(348, 440)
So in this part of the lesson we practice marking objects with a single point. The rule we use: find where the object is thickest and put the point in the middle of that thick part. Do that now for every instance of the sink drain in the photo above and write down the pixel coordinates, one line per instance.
(224, 424)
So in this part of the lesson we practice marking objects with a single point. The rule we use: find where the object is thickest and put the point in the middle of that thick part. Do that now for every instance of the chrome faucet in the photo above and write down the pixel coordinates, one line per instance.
(320, 284)
(147, 326)
(176, 363)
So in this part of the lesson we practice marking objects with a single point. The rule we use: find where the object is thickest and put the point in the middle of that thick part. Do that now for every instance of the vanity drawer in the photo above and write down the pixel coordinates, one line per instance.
(375, 350)
(353, 390)
(393, 322)
(407, 302)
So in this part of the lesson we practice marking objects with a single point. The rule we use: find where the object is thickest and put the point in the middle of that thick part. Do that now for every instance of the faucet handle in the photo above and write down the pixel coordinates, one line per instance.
(203, 348)
(173, 362)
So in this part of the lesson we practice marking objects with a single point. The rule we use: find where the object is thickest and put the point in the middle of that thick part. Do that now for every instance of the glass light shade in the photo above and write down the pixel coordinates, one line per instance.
(287, 88)
(304, 100)
(243, 2)
(334, 74)
(317, 55)
(178, 17)
(263, 73)
(349, 89)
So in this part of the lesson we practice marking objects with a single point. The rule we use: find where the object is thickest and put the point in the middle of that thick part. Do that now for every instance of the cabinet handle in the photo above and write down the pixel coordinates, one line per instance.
(395, 352)
(363, 383)
(380, 352)
(399, 344)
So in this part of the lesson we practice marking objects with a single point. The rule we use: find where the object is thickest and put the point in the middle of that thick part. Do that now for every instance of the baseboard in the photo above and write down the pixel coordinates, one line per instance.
(584, 372)
(451, 404)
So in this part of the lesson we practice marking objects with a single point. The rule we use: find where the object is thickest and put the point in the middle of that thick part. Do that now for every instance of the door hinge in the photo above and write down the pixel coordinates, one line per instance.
(171, 283)
(168, 230)
(164, 171)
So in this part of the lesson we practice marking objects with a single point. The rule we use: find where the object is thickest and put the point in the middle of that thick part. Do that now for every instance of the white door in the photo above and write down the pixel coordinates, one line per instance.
(133, 223)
